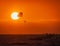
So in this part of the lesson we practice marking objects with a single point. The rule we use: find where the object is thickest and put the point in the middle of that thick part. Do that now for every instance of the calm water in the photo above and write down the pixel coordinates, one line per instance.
(30, 40)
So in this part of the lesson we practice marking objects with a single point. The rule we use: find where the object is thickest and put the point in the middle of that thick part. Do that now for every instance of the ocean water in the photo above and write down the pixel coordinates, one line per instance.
(30, 40)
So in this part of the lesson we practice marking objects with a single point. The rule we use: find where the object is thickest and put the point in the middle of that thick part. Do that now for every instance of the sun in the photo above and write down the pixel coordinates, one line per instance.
(14, 16)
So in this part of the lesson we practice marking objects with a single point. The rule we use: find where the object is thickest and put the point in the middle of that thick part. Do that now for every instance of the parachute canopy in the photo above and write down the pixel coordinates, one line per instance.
(21, 14)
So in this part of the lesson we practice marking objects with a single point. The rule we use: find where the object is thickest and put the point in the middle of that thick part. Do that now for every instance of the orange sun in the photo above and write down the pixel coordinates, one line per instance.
(14, 16)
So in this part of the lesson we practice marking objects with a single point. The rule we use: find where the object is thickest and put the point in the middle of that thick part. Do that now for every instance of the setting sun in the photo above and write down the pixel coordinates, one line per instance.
(29, 16)
(14, 15)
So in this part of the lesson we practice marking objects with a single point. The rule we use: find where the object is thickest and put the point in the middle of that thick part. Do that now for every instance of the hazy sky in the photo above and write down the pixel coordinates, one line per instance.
(43, 16)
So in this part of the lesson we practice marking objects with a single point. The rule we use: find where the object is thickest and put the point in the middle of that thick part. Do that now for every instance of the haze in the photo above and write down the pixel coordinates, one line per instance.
(41, 16)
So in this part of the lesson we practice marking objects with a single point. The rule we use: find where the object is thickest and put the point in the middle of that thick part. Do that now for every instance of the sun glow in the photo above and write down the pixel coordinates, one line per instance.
(14, 16)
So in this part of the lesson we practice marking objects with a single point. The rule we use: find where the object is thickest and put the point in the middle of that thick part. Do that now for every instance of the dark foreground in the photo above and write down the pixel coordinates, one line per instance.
(30, 40)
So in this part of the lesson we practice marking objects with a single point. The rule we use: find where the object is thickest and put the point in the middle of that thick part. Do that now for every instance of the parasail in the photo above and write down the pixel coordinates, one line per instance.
(21, 14)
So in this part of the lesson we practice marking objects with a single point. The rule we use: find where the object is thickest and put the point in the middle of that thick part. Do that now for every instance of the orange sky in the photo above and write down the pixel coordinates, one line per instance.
(41, 16)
